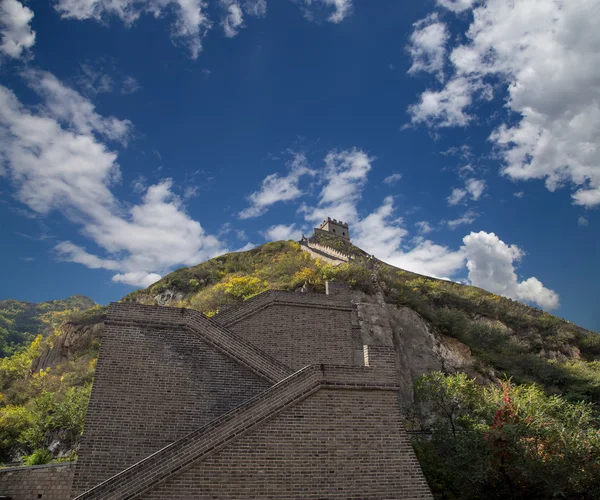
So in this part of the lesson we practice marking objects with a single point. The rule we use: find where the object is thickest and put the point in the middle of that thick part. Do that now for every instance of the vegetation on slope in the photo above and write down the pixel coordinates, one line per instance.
(42, 411)
(504, 441)
(43, 406)
(20, 322)
(508, 336)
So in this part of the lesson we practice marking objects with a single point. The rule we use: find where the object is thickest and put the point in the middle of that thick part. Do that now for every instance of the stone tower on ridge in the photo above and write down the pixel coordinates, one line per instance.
(335, 227)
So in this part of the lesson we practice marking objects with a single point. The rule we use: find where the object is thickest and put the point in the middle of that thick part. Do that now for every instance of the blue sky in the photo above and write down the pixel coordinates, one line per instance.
(459, 138)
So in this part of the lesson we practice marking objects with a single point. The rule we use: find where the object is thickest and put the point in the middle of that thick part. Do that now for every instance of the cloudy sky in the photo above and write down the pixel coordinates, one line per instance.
(458, 138)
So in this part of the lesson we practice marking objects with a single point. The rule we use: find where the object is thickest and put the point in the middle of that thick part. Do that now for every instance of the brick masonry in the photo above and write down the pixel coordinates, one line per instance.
(153, 386)
(46, 482)
(273, 399)
(335, 444)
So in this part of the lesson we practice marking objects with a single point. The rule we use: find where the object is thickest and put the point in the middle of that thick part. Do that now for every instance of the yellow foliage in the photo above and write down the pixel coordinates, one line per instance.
(242, 287)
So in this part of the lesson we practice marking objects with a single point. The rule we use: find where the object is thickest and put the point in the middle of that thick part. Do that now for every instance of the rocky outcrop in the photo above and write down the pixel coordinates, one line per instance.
(74, 340)
(419, 349)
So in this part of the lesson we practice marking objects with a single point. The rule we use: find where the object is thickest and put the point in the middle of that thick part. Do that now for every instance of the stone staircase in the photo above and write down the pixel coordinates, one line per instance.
(211, 332)
(172, 460)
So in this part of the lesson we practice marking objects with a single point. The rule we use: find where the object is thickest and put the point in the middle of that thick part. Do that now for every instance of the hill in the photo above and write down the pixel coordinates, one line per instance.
(439, 328)
(21, 322)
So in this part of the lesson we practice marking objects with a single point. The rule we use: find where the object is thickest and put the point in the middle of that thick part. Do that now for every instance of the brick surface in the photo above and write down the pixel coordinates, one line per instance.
(333, 445)
(274, 398)
(51, 482)
(152, 387)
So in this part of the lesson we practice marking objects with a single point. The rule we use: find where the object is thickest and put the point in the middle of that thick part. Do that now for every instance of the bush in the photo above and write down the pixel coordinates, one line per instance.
(38, 457)
(505, 442)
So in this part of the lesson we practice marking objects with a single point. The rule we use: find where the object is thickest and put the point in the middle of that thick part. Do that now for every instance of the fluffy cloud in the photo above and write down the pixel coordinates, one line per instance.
(17, 35)
(544, 55)
(138, 279)
(336, 10)
(474, 188)
(282, 232)
(345, 175)
(276, 188)
(427, 46)
(189, 27)
(491, 266)
(448, 107)
(56, 162)
(72, 109)
(382, 234)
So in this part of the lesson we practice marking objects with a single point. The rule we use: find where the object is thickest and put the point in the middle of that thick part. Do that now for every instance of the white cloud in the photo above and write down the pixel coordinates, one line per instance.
(345, 175)
(72, 109)
(189, 27)
(519, 194)
(457, 5)
(392, 179)
(17, 35)
(474, 188)
(233, 19)
(382, 234)
(276, 188)
(467, 218)
(545, 54)
(137, 279)
(448, 107)
(423, 227)
(491, 266)
(73, 253)
(456, 196)
(313, 8)
(56, 163)
(427, 46)
(282, 232)
(582, 221)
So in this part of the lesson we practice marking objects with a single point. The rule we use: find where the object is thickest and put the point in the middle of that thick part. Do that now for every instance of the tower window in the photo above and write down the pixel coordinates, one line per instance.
(343, 234)
(334, 230)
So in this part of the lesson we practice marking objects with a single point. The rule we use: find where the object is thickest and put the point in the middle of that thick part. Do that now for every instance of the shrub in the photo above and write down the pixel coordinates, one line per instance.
(40, 456)
(505, 441)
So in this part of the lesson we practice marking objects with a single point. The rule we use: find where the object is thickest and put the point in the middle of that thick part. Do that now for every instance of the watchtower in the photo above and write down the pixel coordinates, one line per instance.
(335, 227)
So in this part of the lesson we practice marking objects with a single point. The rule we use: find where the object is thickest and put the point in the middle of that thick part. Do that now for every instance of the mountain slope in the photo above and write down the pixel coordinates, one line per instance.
(435, 325)
(21, 322)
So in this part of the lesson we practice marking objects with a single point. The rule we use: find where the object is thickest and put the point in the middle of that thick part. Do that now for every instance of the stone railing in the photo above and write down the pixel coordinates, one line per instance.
(210, 331)
(172, 460)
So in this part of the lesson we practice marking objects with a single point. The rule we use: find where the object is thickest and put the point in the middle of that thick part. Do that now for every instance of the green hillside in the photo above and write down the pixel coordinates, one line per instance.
(21, 322)
(543, 421)
(509, 336)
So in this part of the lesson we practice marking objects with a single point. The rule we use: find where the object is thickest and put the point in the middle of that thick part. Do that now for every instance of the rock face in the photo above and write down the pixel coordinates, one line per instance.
(75, 339)
(419, 350)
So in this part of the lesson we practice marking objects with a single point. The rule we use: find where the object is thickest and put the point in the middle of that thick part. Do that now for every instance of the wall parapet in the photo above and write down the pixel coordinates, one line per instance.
(210, 331)
(175, 458)
(280, 297)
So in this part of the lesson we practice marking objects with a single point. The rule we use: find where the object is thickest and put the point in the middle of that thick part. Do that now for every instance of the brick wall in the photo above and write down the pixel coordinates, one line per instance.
(301, 335)
(336, 444)
(152, 387)
(48, 482)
